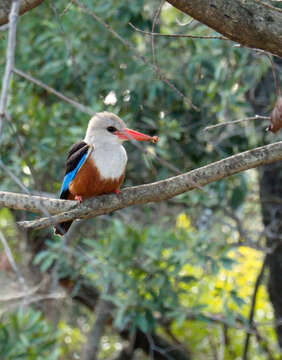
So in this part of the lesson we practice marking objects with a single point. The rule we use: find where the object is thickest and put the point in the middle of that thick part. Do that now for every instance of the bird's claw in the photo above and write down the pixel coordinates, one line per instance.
(78, 198)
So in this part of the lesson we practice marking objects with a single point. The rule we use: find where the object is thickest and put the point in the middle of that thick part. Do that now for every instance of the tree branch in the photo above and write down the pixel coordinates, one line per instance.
(262, 25)
(137, 195)
(25, 5)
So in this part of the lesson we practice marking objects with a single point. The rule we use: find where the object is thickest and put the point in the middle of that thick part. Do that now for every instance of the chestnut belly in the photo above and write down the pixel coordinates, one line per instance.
(88, 182)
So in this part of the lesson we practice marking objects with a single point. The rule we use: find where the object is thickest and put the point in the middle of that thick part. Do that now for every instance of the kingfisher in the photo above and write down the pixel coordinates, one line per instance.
(96, 165)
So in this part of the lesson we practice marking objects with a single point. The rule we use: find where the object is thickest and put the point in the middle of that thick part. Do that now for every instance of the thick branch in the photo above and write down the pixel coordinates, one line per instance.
(25, 5)
(154, 192)
(249, 23)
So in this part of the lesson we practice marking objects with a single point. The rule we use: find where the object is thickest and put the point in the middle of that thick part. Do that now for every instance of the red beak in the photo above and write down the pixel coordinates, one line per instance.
(128, 134)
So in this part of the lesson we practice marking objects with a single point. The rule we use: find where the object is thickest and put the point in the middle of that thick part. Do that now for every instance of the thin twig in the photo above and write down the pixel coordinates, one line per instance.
(26, 190)
(18, 140)
(274, 73)
(11, 260)
(269, 56)
(256, 117)
(268, 6)
(64, 35)
(66, 8)
(177, 35)
(253, 305)
(55, 92)
(31, 300)
(4, 27)
(10, 59)
(263, 343)
(156, 17)
(84, 109)
(189, 22)
(136, 53)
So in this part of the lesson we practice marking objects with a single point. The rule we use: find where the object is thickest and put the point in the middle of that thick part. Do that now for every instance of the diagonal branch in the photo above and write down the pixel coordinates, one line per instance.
(61, 96)
(154, 192)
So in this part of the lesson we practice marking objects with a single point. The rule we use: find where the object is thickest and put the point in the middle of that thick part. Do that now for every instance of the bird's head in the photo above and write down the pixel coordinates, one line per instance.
(106, 127)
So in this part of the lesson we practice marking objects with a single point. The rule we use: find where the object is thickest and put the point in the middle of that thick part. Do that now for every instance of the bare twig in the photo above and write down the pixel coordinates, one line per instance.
(274, 74)
(222, 341)
(156, 17)
(263, 343)
(256, 117)
(268, 6)
(4, 27)
(66, 8)
(68, 44)
(269, 56)
(10, 59)
(253, 305)
(189, 22)
(40, 205)
(55, 92)
(158, 191)
(30, 300)
(153, 34)
(11, 260)
(136, 53)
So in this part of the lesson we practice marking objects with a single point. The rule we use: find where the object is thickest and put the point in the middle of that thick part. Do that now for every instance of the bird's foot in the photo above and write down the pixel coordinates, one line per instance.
(117, 191)
(78, 198)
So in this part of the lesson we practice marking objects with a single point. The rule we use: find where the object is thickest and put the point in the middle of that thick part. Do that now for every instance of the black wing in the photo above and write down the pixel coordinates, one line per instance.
(75, 159)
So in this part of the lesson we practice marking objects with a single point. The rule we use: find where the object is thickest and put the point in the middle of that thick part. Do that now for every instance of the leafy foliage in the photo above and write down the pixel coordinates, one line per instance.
(25, 335)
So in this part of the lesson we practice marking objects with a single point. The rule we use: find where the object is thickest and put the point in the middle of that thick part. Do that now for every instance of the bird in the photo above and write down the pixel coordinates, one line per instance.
(96, 165)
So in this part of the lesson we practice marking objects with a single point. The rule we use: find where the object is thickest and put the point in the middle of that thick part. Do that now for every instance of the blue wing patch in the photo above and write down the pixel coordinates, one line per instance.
(71, 175)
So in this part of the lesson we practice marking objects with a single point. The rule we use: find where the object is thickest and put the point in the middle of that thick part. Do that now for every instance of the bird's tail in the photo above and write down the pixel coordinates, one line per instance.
(62, 228)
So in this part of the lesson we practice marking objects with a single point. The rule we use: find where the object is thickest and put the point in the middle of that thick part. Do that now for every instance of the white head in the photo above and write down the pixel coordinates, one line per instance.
(107, 128)
(101, 129)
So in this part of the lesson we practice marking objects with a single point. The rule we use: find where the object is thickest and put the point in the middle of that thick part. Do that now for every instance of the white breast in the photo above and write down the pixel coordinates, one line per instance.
(110, 160)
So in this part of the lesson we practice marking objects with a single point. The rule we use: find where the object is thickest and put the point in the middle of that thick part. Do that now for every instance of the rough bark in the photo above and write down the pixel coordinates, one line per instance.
(25, 5)
(249, 23)
(158, 191)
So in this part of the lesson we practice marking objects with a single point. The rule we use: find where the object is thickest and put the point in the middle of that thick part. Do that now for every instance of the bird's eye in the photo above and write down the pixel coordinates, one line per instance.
(111, 129)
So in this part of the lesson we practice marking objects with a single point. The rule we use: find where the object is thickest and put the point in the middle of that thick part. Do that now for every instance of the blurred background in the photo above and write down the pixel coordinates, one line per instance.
(177, 278)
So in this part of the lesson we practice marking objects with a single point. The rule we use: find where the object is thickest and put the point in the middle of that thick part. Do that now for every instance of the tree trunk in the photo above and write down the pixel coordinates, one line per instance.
(270, 183)
(271, 205)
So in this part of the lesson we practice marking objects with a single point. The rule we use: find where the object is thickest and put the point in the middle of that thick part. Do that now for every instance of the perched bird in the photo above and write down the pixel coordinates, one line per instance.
(96, 165)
